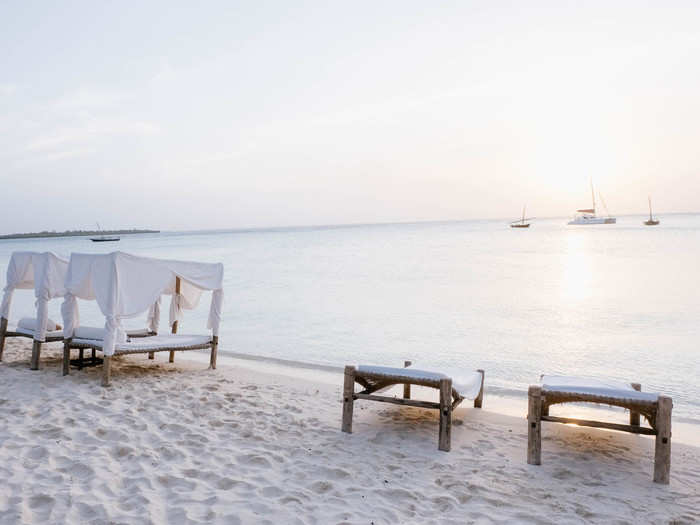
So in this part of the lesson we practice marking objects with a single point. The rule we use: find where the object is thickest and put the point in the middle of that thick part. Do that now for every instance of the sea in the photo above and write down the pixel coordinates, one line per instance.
(619, 301)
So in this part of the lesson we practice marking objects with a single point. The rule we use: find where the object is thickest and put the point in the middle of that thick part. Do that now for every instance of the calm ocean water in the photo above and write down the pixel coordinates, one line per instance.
(620, 301)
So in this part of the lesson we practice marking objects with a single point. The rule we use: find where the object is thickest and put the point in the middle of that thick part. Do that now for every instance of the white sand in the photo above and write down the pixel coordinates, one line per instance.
(183, 444)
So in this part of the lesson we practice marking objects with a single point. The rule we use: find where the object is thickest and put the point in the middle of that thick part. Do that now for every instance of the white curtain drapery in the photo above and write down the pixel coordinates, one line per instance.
(125, 286)
(45, 272)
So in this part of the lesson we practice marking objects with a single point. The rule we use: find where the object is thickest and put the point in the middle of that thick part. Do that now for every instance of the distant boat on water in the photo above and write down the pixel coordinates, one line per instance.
(520, 223)
(651, 221)
(104, 238)
(588, 215)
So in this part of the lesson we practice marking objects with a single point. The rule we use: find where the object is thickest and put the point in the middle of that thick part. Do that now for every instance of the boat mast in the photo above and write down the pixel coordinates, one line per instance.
(522, 221)
(593, 195)
(649, 197)
(604, 205)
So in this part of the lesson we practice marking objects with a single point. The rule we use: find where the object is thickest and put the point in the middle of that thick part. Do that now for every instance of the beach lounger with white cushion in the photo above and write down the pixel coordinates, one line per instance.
(655, 408)
(45, 273)
(125, 286)
(377, 378)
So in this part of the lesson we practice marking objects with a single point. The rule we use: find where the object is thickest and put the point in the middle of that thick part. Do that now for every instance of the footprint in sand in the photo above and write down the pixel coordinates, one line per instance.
(81, 471)
(122, 452)
(37, 453)
(41, 503)
(272, 492)
(562, 473)
(321, 487)
(253, 460)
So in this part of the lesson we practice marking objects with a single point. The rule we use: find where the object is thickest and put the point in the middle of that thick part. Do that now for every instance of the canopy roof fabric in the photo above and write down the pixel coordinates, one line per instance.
(45, 272)
(125, 286)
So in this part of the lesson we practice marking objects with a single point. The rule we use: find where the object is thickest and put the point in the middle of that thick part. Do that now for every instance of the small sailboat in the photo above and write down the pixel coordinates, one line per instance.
(588, 216)
(520, 223)
(104, 238)
(651, 221)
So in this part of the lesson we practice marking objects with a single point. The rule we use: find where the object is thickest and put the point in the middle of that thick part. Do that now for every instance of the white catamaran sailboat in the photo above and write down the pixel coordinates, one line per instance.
(588, 216)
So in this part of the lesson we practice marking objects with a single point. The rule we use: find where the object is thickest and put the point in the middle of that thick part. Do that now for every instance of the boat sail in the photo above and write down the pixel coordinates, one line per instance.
(651, 221)
(520, 223)
(588, 215)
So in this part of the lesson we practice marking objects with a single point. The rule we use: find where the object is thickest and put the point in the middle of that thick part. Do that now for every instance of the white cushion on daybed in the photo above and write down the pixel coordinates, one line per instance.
(596, 387)
(89, 332)
(29, 323)
(26, 331)
(155, 342)
(467, 385)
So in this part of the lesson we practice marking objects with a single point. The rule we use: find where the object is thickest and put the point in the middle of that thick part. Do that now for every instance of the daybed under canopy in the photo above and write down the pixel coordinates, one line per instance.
(45, 273)
(126, 286)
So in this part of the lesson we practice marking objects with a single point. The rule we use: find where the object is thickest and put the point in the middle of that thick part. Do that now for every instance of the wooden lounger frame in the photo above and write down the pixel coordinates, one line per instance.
(372, 382)
(69, 344)
(36, 346)
(657, 413)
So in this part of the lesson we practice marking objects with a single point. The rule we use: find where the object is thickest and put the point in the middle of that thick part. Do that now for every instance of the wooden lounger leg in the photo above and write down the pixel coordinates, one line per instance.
(66, 359)
(106, 372)
(406, 386)
(348, 398)
(479, 401)
(634, 416)
(534, 425)
(93, 358)
(81, 356)
(3, 330)
(171, 359)
(36, 353)
(214, 350)
(445, 436)
(662, 456)
(151, 355)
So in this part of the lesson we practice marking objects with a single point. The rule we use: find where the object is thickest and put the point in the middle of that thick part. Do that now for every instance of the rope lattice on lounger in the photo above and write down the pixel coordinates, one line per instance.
(377, 378)
(126, 286)
(45, 273)
(655, 407)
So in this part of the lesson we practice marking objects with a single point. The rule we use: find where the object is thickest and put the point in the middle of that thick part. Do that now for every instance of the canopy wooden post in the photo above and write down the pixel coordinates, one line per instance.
(348, 398)
(479, 400)
(662, 456)
(634, 416)
(214, 349)
(66, 357)
(445, 437)
(174, 329)
(534, 425)
(3, 330)
(106, 370)
(36, 353)
(407, 386)
(151, 355)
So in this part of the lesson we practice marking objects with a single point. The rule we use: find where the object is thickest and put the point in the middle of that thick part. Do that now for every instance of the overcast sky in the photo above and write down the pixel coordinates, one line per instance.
(234, 114)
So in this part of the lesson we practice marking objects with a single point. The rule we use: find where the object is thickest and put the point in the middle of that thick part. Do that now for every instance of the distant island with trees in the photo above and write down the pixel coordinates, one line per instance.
(73, 233)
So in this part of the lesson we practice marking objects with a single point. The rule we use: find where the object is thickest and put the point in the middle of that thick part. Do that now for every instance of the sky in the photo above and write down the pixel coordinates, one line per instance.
(198, 115)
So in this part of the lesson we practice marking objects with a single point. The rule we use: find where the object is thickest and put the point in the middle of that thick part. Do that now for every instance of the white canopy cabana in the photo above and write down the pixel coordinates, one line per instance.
(45, 273)
(126, 286)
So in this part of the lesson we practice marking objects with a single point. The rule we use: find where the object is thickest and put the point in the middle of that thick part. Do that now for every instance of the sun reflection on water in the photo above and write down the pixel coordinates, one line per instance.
(577, 276)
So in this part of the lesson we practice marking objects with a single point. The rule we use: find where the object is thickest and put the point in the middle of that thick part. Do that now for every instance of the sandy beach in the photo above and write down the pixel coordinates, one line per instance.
(178, 443)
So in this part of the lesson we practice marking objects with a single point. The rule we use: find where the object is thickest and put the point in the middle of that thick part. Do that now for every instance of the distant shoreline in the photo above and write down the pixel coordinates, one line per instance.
(72, 233)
